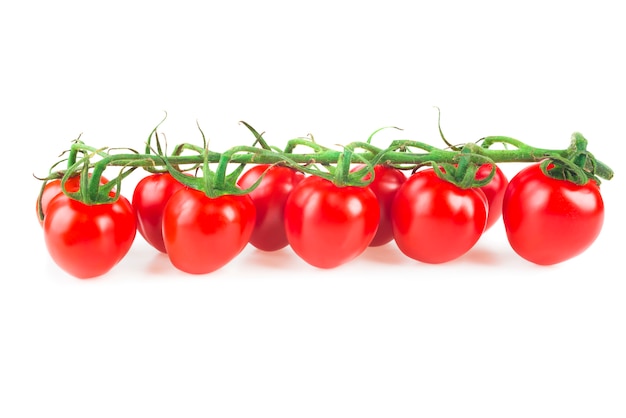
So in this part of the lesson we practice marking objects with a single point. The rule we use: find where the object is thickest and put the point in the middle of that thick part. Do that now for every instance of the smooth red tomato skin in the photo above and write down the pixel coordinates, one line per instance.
(53, 188)
(202, 234)
(269, 198)
(435, 221)
(87, 241)
(328, 225)
(387, 181)
(494, 191)
(149, 198)
(548, 221)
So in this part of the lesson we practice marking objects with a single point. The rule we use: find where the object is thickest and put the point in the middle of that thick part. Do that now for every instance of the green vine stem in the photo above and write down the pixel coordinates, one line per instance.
(457, 164)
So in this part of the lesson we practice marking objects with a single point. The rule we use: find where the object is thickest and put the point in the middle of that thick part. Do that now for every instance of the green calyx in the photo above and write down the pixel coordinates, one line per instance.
(462, 171)
(576, 165)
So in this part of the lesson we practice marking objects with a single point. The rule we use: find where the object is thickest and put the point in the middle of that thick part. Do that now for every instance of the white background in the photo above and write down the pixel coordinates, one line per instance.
(488, 335)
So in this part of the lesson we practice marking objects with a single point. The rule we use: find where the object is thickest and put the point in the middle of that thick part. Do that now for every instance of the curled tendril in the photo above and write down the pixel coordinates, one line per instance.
(307, 142)
(488, 141)
(258, 136)
(564, 169)
(154, 133)
(369, 139)
(452, 147)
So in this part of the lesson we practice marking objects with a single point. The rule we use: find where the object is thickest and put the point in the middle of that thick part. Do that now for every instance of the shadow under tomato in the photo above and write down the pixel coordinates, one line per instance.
(487, 256)
(385, 254)
(160, 264)
(390, 254)
(481, 256)
(279, 259)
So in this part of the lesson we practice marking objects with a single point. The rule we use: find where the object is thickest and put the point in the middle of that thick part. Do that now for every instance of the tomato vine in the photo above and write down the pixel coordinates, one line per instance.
(456, 164)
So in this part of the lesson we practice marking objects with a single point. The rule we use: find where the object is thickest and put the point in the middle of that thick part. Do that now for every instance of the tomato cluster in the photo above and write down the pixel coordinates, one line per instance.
(430, 219)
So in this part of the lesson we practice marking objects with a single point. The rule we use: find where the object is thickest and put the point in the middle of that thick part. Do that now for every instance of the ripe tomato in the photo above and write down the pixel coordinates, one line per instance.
(494, 191)
(88, 240)
(435, 221)
(547, 220)
(387, 181)
(149, 198)
(269, 198)
(53, 188)
(328, 225)
(201, 233)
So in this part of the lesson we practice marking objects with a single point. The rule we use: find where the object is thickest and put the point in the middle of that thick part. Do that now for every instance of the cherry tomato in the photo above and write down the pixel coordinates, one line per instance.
(328, 225)
(547, 220)
(494, 191)
(53, 188)
(88, 240)
(435, 221)
(201, 233)
(387, 181)
(149, 198)
(269, 198)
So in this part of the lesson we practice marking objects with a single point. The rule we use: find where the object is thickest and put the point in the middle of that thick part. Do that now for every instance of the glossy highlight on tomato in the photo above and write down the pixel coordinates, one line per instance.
(149, 198)
(328, 225)
(87, 241)
(548, 220)
(202, 233)
(435, 221)
(269, 198)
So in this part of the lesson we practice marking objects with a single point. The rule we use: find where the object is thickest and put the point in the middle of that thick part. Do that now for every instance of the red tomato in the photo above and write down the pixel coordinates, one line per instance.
(548, 221)
(494, 191)
(387, 181)
(149, 198)
(435, 221)
(201, 233)
(53, 188)
(328, 225)
(88, 240)
(269, 198)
